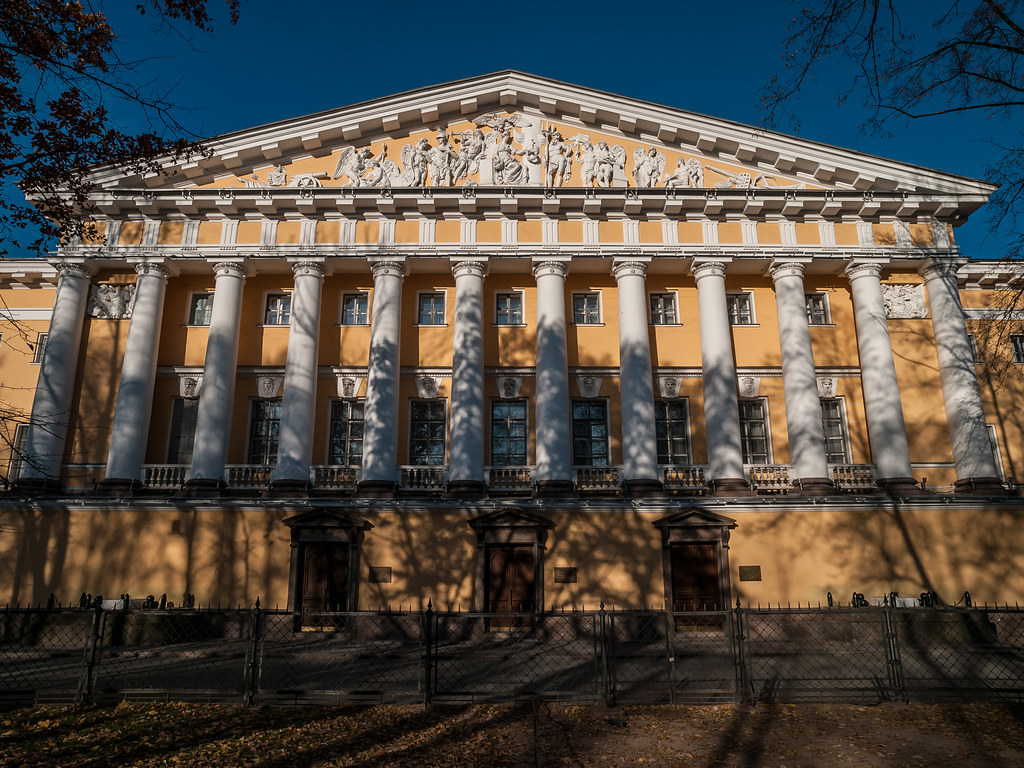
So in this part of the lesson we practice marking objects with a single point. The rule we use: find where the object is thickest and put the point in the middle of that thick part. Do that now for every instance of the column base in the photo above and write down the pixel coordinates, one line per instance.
(814, 486)
(119, 486)
(554, 489)
(467, 489)
(202, 488)
(981, 486)
(376, 489)
(730, 486)
(901, 486)
(32, 486)
(284, 488)
(642, 489)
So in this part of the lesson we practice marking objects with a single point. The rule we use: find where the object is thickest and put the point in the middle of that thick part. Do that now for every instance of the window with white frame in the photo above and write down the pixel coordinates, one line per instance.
(17, 452)
(508, 308)
(278, 309)
(586, 308)
(672, 431)
(996, 456)
(754, 432)
(430, 310)
(833, 422)
(1017, 343)
(508, 433)
(346, 446)
(184, 414)
(741, 308)
(200, 308)
(590, 433)
(427, 428)
(663, 309)
(355, 309)
(40, 349)
(817, 309)
(264, 431)
(973, 341)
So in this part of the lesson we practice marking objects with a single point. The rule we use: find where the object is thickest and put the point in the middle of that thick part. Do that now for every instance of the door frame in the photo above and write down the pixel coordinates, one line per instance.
(324, 526)
(516, 527)
(697, 526)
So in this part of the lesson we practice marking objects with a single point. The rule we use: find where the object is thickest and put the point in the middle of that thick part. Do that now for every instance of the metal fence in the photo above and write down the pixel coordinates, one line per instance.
(632, 656)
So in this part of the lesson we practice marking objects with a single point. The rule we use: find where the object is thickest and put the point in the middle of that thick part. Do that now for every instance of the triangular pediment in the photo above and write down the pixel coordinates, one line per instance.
(512, 517)
(322, 517)
(695, 517)
(510, 129)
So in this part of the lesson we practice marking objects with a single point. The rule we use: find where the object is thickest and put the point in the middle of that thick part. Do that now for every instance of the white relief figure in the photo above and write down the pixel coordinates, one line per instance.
(415, 158)
(735, 180)
(609, 164)
(558, 159)
(277, 177)
(694, 173)
(586, 157)
(507, 168)
(903, 301)
(442, 161)
(112, 302)
(678, 177)
(649, 166)
(472, 147)
(365, 170)
(531, 160)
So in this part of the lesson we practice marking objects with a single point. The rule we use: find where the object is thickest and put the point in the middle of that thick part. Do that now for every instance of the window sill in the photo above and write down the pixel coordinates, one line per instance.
(195, 325)
(821, 325)
(351, 325)
(272, 325)
(509, 325)
(589, 325)
(430, 325)
(744, 325)
(666, 325)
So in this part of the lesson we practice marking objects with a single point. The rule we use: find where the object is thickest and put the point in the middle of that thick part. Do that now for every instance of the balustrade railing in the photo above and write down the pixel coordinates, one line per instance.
(509, 479)
(248, 475)
(854, 478)
(685, 479)
(597, 478)
(164, 476)
(430, 479)
(334, 477)
(769, 478)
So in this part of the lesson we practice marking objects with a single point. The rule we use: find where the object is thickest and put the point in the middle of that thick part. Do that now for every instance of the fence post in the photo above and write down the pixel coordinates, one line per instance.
(90, 658)
(252, 669)
(744, 678)
(607, 679)
(669, 642)
(427, 634)
(892, 654)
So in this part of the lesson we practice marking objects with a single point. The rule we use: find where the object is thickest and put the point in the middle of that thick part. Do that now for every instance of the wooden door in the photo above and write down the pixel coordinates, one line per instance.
(324, 584)
(696, 578)
(511, 584)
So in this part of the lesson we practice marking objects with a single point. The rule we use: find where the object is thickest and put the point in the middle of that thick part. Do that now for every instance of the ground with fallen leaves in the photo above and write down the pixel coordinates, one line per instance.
(515, 736)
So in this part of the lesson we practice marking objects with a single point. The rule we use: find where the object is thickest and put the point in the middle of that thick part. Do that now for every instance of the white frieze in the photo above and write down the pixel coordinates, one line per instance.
(649, 166)
(112, 302)
(904, 301)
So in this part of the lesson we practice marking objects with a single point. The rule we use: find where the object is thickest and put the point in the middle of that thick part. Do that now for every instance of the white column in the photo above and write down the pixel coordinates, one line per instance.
(721, 406)
(380, 430)
(217, 397)
(965, 415)
(134, 407)
(298, 405)
(466, 436)
(554, 425)
(887, 432)
(639, 441)
(803, 406)
(51, 407)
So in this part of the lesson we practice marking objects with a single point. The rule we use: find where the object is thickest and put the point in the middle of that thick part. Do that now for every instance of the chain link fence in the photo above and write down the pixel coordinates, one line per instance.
(862, 655)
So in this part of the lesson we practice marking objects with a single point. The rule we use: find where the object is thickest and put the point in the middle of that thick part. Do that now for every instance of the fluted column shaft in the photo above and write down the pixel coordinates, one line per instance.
(466, 436)
(803, 407)
(51, 406)
(217, 397)
(298, 405)
(721, 406)
(639, 440)
(134, 407)
(887, 431)
(554, 425)
(380, 432)
(965, 414)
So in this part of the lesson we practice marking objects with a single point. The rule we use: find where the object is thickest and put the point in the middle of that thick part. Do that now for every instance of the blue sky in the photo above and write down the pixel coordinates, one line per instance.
(289, 59)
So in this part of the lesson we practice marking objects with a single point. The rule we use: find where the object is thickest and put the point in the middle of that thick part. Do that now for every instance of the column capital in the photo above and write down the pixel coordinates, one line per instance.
(943, 268)
(234, 268)
(550, 267)
(315, 267)
(632, 267)
(74, 268)
(391, 267)
(469, 267)
(152, 268)
(780, 269)
(710, 268)
(858, 269)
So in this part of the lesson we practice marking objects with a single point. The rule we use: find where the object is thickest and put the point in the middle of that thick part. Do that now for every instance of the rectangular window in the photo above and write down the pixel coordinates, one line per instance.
(431, 309)
(973, 341)
(508, 433)
(200, 307)
(1017, 342)
(427, 433)
(741, 308)
(994, 442)
(264, 430)
(817, 309)
(279, 309)
(754, 432)
(663, 309)
(40, 351)
(17, 452)
(346, 446)
(833, 422)
(508, 309)
(586, 308)
(184, 412)
(672, 431)
(354, 309)
(590, 433)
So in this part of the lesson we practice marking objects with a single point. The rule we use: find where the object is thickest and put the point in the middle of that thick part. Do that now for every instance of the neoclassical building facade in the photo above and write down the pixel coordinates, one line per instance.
(510, 344)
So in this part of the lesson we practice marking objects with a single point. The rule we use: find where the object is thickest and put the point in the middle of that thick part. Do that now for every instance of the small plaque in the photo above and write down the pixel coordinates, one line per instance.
(380, 574)
(750, 573)
(565, 575)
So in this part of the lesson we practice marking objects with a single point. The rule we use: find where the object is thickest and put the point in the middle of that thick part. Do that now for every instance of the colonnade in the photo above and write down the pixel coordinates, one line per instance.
(553, 473)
